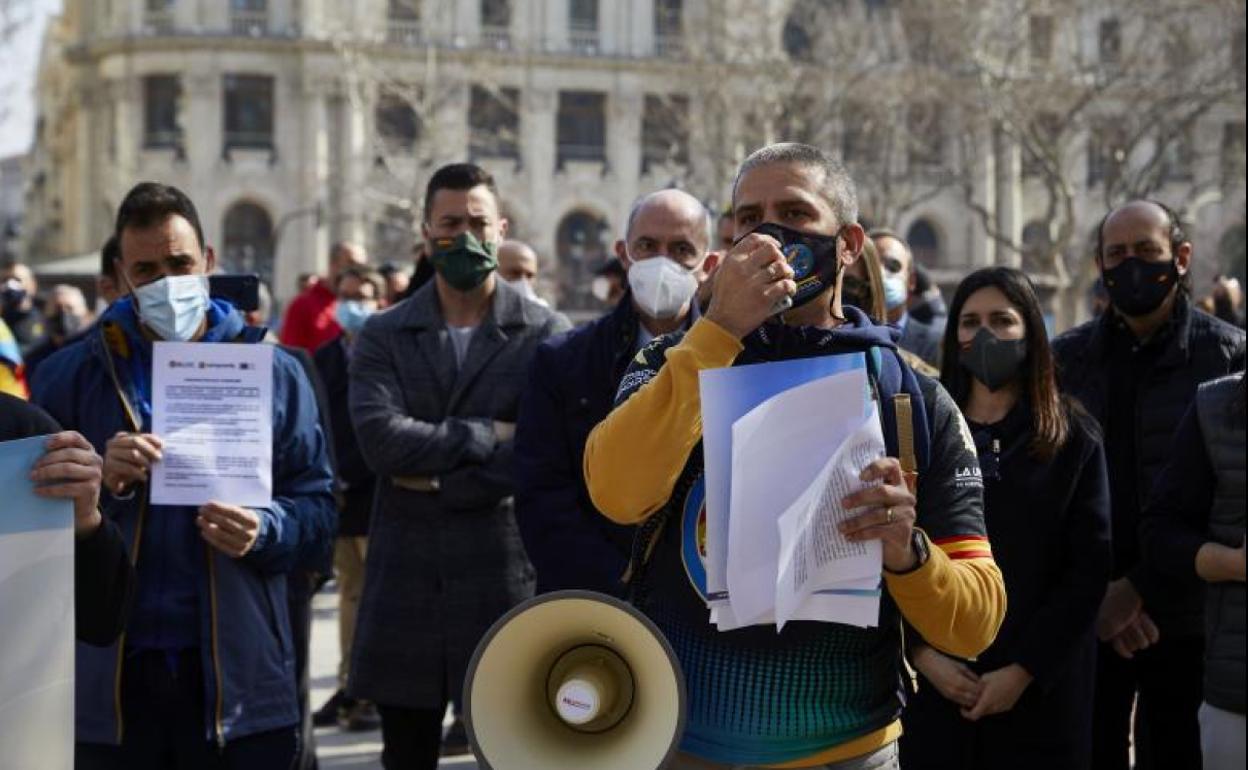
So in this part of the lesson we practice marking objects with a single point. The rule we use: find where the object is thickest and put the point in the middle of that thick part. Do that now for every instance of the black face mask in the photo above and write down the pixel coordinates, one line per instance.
(1137, 287)
(993, 361)
(812, 257)
(856, 292)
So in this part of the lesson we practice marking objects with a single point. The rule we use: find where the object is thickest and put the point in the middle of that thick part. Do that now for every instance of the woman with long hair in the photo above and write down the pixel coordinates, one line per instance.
(1027, 701)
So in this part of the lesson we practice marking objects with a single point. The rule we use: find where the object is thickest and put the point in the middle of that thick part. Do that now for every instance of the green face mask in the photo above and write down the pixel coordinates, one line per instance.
(463, 261)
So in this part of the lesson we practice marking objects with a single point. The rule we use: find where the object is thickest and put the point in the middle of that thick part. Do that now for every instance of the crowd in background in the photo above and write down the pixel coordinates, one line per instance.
(446, 445)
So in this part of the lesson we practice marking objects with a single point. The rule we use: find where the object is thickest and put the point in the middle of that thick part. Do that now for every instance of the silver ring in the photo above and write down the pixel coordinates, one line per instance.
(888, 516)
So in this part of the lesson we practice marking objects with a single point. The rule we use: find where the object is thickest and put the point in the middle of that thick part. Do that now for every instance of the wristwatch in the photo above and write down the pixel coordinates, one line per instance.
(918, 544)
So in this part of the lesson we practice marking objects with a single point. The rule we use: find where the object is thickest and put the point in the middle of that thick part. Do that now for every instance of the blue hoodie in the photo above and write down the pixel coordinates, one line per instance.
(189, 595)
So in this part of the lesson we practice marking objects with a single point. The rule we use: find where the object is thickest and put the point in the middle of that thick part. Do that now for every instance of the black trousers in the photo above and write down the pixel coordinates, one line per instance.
(411, 738)
(300, 587)
(162, 701)
(1169, 677)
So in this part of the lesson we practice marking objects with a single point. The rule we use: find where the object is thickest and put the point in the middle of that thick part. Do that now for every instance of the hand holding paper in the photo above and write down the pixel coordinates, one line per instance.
(70, 469)
(128, 459)
(228, 528)
(890, 516)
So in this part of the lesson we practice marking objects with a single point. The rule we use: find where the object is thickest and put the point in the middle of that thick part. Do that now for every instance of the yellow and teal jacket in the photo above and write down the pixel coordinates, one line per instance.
(814, 693)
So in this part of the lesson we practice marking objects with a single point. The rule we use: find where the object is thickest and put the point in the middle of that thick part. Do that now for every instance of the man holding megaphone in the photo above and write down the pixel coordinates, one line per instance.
(814, 694)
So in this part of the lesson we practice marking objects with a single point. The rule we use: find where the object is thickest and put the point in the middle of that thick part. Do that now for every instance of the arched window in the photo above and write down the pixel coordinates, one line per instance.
(924, 243)
(1037, 247)
(582, 245)
(248, 243)
(1231, 250)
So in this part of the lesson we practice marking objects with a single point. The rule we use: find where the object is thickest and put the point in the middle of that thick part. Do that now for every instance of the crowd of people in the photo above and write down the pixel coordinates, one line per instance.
(1061, 521)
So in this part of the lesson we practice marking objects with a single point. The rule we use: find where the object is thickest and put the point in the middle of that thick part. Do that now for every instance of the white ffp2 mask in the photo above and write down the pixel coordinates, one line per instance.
(661, 287)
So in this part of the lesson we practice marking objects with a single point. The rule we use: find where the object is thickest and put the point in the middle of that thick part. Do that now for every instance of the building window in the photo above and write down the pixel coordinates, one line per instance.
(494, 123)
(1040, 37)
(1238, 43)
(1037, 247)
(248, 111)
(248, 242)
(800, 122)
(583, 26)
(796, 35)
(496, 23)
(668, 27)
(1106, 153)
(398, 127)
(1178, 156)
(403, 22)
(249, 17)
(158, 15)
(162, 95)
(581, 243)
(1233, 154)
(1044, 141)
(925, 124)
(862, 142)
(924, 243)
(394, 234)
(582, 126)
(1109, 41)
(920, 35)
(665, 131)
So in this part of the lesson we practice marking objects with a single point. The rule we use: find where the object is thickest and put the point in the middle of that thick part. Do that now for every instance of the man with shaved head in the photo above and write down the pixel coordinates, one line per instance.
(1136, 368)
(517, 267)
(573, 380)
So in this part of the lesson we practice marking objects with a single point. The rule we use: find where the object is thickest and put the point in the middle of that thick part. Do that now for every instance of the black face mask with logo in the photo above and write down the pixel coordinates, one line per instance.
(812, 257)
(1137, 288)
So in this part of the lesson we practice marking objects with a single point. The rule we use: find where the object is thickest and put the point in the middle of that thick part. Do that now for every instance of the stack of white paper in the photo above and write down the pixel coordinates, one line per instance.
(784, 443)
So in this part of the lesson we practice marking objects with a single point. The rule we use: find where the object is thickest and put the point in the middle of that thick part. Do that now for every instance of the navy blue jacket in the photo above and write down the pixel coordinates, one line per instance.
(572, 386)
(244, 633)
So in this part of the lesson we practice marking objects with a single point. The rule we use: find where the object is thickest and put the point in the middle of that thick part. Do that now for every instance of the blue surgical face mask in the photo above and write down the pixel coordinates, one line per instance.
(174, 307)
(896, 293)
(351, 315)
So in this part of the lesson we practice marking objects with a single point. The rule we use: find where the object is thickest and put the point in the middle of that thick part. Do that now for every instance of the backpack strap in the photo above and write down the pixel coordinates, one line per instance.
(904, 414)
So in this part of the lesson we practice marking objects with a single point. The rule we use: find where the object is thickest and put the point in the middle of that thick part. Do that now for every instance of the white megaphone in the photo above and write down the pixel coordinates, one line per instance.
(574, 680)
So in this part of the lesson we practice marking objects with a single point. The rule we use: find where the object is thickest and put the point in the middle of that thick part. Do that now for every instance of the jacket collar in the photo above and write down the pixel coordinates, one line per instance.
(423, 310)
(1178, 333)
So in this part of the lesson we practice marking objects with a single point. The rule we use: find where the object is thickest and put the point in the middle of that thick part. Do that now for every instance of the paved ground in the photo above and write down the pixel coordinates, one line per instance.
(336, 749)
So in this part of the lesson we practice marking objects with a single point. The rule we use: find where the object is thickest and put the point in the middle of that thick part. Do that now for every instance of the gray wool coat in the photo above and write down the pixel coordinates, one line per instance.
(442, 565)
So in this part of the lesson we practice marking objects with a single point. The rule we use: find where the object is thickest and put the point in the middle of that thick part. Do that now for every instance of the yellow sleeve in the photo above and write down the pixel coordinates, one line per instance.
(635, 456)
(9, 383)
(956, 600)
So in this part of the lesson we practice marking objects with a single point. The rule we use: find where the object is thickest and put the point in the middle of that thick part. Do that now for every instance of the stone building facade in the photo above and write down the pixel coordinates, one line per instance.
(295, 123)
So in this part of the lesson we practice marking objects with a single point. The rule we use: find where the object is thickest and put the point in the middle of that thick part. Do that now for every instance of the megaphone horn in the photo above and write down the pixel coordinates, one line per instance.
(574, 680)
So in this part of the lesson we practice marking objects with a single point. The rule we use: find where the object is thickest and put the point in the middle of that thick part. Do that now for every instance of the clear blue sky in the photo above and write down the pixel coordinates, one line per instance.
(20, 54)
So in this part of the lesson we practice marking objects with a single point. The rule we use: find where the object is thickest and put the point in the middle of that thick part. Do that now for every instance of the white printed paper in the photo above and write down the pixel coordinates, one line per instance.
(212, 406)
(813, 552)
(36, 618)
(778, 452)
(726, 395)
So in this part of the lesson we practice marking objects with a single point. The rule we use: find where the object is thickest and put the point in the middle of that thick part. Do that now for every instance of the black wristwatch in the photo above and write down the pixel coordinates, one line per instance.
(918, 544)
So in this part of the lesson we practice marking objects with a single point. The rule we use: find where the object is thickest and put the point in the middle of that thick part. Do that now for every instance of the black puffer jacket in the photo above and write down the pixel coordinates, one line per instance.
(1201, 349)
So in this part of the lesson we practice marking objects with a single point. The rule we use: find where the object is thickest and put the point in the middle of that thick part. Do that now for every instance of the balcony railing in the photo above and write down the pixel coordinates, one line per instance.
(162, 140)
(248, 140)
(496, 37)
(249, 23)
(591, 153)
(158, 21)
(584, 40)
(404, 32)
(669, 46)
